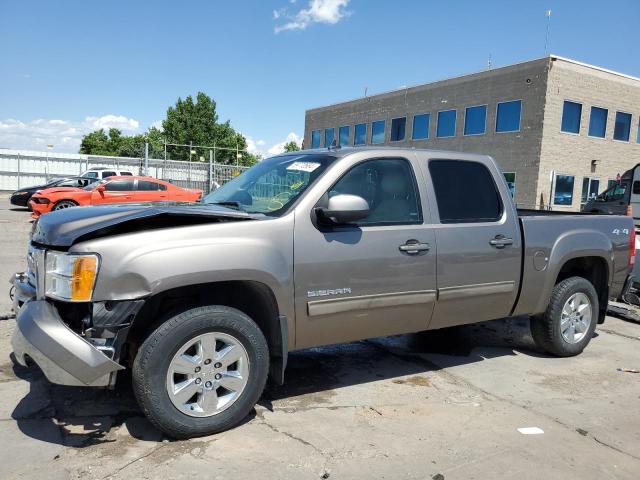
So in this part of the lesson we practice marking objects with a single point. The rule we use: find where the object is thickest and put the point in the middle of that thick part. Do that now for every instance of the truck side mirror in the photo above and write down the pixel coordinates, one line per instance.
(344, 209)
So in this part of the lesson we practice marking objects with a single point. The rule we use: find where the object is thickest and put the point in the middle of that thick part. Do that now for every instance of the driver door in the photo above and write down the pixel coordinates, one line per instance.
(360, 280)
(115, 191)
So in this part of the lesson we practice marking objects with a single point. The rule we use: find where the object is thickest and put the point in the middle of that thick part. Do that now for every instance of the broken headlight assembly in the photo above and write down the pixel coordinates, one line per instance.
(70, 277)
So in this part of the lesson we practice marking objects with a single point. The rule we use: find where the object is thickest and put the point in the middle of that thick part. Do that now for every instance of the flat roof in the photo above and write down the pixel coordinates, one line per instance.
(549, 57)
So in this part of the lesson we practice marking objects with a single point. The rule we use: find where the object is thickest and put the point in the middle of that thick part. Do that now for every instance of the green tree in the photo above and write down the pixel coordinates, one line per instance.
(99, 143)
(291, 146)
(187, 122)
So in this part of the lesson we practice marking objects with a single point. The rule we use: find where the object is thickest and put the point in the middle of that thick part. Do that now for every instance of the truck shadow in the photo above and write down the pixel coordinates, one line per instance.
(82, 417)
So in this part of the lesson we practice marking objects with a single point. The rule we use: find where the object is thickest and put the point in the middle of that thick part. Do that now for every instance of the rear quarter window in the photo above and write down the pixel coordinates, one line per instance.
(465, 192)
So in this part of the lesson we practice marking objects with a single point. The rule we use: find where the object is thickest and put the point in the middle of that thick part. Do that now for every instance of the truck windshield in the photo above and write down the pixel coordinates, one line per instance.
(272, 185)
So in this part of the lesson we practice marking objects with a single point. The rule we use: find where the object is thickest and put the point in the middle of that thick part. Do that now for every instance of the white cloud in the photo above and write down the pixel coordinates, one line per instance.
(318, 11)
(114, 121)
(279, 147)
(63, 134)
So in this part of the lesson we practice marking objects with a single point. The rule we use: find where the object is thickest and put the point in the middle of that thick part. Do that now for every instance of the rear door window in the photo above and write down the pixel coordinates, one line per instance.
(125, 174)
(108, 173)
(150, 186)
(465, 192)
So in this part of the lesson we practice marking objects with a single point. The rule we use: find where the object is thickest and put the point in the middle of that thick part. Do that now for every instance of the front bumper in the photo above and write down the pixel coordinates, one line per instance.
(63, 356)
(20, 200)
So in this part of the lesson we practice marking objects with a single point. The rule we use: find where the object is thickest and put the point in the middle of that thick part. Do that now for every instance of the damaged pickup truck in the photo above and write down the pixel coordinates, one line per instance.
(204, 301)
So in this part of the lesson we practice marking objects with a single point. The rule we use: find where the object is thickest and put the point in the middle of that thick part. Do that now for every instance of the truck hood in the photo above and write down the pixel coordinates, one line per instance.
(63, 228)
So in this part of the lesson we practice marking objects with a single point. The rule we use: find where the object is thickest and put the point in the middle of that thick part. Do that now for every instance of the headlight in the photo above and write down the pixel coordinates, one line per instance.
(41, 200)
(20, 193)
(70, 276)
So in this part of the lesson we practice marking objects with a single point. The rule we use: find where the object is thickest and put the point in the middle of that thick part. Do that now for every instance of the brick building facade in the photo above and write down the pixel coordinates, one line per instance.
(561, 130)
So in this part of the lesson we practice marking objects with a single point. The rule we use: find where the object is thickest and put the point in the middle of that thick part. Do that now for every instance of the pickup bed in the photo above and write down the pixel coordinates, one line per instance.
(204, 301)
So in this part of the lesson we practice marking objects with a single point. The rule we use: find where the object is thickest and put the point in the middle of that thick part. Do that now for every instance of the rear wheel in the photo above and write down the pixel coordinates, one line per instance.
(62, 204)
(201, 372)
(566, 327)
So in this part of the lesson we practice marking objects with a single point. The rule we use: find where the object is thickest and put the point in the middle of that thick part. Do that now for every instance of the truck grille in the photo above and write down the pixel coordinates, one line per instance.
(35, 264)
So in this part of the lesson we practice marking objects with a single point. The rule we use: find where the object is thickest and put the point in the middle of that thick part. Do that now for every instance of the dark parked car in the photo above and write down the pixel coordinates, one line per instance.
(21, 197)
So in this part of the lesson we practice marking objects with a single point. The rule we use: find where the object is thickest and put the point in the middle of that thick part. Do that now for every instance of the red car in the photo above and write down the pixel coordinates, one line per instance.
(111, 190)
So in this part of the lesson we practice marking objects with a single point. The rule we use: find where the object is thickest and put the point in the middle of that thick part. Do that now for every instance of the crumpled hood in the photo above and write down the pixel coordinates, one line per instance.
(62, 228)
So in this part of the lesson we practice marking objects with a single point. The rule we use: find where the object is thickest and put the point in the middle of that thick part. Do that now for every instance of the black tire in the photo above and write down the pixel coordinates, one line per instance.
(62, 204)
(545, 328)
(152, 361)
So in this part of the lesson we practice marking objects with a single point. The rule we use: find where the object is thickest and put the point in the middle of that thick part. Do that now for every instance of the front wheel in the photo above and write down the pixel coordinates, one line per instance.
(64, 204)
(201, 372)
(566, 327)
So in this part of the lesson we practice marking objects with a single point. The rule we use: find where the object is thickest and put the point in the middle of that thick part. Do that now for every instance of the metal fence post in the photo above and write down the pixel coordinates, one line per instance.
(210, 182)
(146, 158)
(18, 171)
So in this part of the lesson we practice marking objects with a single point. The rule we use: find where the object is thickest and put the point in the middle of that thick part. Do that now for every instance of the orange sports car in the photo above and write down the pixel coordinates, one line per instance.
(111, 190)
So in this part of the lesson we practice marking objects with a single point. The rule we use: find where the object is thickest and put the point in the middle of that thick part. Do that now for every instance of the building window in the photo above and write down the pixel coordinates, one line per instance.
(315, 139)
(508, 116)
(510, 178)
(329, 136)
(343, 136)
(638, 136)
(457, 181)
(420, 127)
(563, 194)
(622, 128)
(598, 122)
(571, 113)
(398, 127)
(475, 120)
(360, 134)
(377, 132)
(590, 187)
(446, 124)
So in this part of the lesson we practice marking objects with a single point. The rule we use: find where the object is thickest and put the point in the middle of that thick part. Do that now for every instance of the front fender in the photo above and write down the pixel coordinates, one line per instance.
(146, 263)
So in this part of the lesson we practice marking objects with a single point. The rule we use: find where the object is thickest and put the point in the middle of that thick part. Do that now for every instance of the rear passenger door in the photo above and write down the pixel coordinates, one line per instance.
(478, 241)
(150, 191)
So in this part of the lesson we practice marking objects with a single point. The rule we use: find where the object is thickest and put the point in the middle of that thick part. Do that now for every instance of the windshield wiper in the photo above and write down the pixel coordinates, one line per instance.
(229, 203)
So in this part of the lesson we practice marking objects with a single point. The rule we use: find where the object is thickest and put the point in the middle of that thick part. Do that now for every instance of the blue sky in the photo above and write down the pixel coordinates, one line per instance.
(67, 67)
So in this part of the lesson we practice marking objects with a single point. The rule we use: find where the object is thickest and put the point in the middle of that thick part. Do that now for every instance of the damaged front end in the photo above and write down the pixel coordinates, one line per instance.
(73, 343)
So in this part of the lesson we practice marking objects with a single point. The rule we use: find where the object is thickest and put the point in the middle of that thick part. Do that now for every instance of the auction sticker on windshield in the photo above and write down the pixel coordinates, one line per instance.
(303, 166)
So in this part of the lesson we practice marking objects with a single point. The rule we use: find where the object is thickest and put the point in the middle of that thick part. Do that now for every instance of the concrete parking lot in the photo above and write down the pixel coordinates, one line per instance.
(442, 405)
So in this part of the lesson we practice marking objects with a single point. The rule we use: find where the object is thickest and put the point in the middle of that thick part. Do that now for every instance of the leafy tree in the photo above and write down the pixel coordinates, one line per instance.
(187, 122)
(291, 146)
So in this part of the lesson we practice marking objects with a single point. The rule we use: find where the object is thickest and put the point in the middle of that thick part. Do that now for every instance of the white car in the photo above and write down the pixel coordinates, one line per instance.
(100, 173)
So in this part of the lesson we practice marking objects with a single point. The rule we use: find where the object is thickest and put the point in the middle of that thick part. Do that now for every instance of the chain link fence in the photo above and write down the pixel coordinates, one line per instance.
(22, 168)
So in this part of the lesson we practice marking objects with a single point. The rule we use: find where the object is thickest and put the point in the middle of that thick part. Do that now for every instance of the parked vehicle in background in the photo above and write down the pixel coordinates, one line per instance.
(622, 198)
(111, 190)
(21, 197)
(304, 249)
(100, 173)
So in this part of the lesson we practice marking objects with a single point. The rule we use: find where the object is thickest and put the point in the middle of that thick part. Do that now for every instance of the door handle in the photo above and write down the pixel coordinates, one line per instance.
(500, 241)
(414, 246)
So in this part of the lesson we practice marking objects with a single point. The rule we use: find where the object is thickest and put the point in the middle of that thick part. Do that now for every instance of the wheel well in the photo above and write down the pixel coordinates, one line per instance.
(593, 269)
(252, 298)
(66, 200)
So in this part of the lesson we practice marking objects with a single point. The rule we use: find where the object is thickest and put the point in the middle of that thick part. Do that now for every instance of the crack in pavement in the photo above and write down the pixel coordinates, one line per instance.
(141, 457)
(618, 334)
(419, 359)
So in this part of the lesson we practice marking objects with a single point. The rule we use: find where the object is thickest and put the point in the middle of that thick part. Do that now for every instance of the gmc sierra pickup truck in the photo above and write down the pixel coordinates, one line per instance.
(204, 301)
